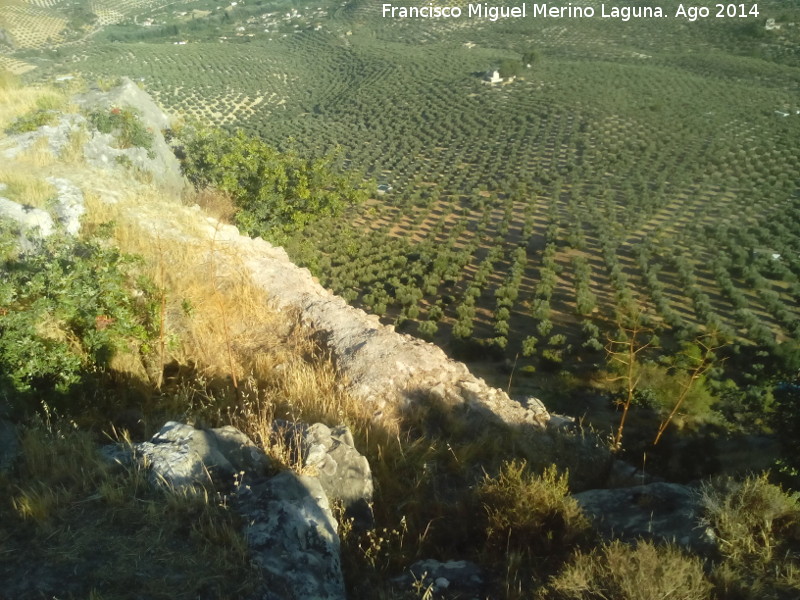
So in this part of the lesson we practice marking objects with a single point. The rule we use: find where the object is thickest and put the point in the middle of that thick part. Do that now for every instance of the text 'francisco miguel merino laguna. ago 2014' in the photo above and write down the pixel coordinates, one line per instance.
(483, 10)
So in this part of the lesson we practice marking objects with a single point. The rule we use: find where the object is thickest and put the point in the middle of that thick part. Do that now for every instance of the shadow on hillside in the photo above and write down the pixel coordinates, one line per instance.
(112, 402)
(478, 432)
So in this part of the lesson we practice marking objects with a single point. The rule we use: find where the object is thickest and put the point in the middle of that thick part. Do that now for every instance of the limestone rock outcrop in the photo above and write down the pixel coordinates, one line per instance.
(127, 93)
(33, 223)
(160, 162)
(292, 536)
(56, 136)
(101, 149)
(287, 520)
(182, 456)
(30, 222)
(380, 365)
(342, 471)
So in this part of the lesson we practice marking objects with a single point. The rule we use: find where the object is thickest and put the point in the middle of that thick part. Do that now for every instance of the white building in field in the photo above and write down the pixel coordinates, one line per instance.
(493, 77)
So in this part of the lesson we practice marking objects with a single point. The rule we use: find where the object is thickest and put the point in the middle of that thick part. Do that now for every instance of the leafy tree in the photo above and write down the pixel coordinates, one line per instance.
(274, 192)
(462, 329)
(697, 358)
(428, 328)
(530, 58)
(529, 346)
(509, 68)
(80, 17)
(585, 301)
(544, 327)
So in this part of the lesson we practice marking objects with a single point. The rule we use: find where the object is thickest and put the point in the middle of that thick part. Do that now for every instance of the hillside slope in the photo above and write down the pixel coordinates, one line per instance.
(380, 365)
(234, 333)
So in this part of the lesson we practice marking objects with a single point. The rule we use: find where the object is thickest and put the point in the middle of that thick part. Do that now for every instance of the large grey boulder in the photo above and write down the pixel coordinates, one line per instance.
(660, 511)
(622, 474)
(331, 456)
(160, 163)
(101, 149)
(183, 456)
(290, 529)
(292, 537)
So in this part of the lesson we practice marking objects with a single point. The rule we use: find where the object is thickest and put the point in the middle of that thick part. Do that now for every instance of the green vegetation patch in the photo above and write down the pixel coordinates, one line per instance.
(624, 572)
(32, 121)
(531, 517)
(46, 112)
(65, 311)
(757, 526)
(275, 192)
(126, 125)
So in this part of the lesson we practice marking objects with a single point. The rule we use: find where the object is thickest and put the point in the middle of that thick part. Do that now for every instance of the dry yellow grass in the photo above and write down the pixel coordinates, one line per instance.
(16, 100)
(215, 203)
(25, 187)
(627, 572)
(68, 508)
(246, 363)
(72, 153)
(222, 322)
(35, 157)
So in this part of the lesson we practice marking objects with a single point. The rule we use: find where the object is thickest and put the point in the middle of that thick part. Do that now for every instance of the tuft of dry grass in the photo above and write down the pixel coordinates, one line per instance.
(757, 528)
(26, 187)
(17, 100)
(216, 203)
(74, 513)
(37, 155)
(72, 153)
(624, 572)
(753, 519)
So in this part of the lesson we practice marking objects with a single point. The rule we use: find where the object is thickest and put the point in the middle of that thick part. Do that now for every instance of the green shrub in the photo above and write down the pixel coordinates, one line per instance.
(786, 422)
(509, 68)
(273, 191)
(619, 571)
(757, 526)
(529, 345)
(126, 125)
(532, 514)
(753, 519)
(65, 311)
(32, 121)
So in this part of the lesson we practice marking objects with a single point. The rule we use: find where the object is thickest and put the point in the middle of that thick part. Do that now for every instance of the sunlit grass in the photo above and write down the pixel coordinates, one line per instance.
(17, 100)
